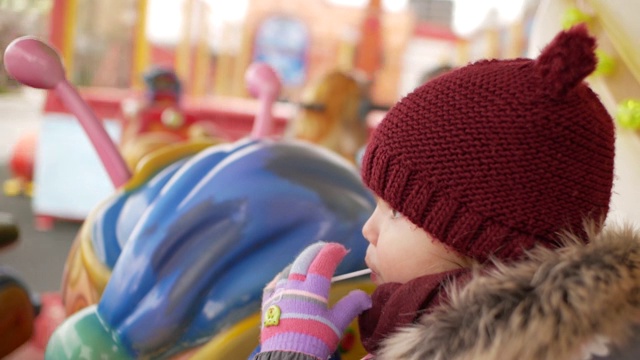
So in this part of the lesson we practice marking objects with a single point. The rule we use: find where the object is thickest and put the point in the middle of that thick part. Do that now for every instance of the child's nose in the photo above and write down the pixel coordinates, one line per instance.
(369, 232)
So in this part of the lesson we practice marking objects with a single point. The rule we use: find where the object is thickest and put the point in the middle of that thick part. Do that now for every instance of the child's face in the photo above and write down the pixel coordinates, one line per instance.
(400, 251)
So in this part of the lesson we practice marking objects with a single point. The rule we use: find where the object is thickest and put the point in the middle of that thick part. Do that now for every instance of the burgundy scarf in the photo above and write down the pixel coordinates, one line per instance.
(396, 305)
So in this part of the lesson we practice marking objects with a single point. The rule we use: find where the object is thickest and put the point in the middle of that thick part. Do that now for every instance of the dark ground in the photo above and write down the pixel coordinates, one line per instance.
(38, 257)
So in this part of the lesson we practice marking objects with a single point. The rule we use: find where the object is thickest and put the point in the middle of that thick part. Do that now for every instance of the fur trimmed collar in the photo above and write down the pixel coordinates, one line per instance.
(551, 305)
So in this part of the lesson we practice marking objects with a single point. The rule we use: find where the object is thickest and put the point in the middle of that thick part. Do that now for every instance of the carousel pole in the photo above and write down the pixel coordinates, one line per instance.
(201, 73)
(63, 21)
(183, 55)
(140, 45)
(369, 51)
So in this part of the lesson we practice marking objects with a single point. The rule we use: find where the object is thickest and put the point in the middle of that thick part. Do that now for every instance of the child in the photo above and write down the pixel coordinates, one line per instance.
(473, 170)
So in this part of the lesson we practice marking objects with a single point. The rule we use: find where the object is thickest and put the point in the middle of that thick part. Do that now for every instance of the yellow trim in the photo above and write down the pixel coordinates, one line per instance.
(150, 163)
(98, 273)
(242, 337)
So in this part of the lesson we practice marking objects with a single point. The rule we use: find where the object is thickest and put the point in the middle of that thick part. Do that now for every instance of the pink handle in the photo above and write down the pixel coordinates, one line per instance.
(35, 64)
(263, 82)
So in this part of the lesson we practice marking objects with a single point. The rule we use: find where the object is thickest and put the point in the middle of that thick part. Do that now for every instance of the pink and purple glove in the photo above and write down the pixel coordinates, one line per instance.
(295, 314)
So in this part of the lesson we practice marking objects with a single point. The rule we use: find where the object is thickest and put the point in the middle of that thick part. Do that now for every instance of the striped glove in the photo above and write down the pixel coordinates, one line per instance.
(295, 313)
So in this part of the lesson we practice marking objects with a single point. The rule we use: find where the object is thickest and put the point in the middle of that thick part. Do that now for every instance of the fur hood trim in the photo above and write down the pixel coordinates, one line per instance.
(549, 306)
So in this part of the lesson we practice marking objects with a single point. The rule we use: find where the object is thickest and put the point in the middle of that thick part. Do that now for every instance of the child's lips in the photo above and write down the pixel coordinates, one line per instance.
(374, 275)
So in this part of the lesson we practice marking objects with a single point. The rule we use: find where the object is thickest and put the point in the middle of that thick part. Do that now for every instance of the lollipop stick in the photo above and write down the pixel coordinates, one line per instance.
(350, 275)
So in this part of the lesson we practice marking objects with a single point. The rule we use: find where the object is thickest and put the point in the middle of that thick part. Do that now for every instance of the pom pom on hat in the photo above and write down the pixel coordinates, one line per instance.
(497, 156)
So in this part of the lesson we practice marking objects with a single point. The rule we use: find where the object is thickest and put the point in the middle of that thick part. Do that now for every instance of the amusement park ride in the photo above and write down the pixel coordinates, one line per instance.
(172, 265)
(56, 173)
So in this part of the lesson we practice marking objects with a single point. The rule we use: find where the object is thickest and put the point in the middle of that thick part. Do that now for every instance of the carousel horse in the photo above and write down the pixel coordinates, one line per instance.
(330, 114)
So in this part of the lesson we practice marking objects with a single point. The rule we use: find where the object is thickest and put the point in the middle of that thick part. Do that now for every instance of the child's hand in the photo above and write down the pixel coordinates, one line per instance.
(295, 313)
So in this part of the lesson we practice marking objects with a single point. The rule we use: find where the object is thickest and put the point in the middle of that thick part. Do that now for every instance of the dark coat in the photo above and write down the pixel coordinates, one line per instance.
(578, 302)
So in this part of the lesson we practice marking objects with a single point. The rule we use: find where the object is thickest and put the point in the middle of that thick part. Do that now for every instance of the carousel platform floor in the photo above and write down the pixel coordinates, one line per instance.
(37, 257)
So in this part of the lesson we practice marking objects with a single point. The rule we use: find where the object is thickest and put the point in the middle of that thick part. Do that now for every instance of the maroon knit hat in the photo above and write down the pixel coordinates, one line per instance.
(498, 155)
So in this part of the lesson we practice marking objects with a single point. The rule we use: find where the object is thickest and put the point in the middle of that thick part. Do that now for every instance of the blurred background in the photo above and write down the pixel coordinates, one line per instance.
(341, 62)
(160, 72)
(209, 43)
(177, 68)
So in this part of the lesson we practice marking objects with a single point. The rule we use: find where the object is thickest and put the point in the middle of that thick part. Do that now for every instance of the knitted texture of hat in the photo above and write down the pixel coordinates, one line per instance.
(498, 155)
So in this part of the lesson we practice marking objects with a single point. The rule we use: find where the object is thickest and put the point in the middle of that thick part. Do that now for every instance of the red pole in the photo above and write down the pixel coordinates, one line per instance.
(370, 48)
(56, 24)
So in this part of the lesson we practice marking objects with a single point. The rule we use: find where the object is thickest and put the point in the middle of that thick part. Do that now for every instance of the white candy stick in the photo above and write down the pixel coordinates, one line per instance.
(350, 275)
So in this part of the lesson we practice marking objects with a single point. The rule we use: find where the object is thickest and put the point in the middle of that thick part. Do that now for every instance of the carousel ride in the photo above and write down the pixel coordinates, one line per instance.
(172, 265)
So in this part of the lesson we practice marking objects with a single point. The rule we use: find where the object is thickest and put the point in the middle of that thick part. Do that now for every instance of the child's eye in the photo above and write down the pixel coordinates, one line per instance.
(395, 214)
